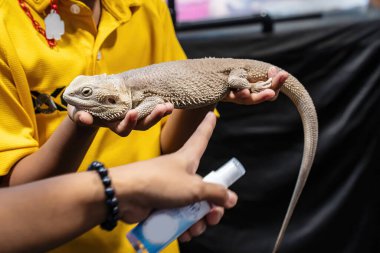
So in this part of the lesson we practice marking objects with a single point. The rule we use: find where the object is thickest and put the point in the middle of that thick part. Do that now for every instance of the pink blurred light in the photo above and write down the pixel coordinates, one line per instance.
(192, 10)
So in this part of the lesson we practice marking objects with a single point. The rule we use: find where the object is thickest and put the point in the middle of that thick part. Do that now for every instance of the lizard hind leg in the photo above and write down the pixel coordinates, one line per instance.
(238, 79)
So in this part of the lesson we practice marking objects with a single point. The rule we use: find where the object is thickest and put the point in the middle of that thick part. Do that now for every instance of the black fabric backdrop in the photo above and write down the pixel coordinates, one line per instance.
(337, 59)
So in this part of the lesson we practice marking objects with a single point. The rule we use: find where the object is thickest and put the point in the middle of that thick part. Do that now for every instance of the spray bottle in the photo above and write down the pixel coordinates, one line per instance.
(163, 226)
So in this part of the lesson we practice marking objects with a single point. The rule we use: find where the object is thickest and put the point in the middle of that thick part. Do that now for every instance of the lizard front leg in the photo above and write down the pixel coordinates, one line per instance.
(147, 106)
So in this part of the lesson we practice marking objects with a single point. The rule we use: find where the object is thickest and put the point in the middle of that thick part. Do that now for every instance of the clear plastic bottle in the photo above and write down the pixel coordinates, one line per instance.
(164, 226)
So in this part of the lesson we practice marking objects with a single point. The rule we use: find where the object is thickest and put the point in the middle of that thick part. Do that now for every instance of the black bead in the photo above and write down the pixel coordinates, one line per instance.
(115, 211)
(108, 225)
(102, 172)
(111, 200)
(96, 165)
(110, 193)
(106, 181)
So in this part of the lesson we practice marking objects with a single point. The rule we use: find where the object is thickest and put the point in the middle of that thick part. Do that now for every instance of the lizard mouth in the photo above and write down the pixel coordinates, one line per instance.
(102, 111)
(70, 100)
(107, 115)
(80, 103)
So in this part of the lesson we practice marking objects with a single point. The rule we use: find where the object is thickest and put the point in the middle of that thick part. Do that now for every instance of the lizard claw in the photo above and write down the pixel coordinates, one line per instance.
(261, 85)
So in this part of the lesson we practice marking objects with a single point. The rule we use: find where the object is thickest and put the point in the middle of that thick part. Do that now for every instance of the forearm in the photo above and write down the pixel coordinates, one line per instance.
(180, 126)
(42, 215)
(62, 153)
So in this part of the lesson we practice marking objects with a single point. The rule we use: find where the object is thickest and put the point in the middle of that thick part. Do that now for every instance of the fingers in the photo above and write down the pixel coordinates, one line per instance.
(185, 237)
(246, 98)
(215, 215)
(272, 72)
(71, 110)
(217, 212)
(240, 94)
(232, 199)
(197, 143)
(130, 121)
(257, 98)
(216, 194)
(80, 117)
(212, 218)
(195, 230)
(124, 127)
(278, 77)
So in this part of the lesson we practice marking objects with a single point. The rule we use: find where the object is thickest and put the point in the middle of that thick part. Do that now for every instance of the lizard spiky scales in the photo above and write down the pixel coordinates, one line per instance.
(191, 84)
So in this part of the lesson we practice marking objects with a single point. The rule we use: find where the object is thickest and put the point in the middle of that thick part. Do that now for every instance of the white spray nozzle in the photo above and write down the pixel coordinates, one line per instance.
(227, 174)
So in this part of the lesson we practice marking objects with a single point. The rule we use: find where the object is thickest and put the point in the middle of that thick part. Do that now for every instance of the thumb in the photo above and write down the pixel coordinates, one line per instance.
(80, 117)
(218, 195)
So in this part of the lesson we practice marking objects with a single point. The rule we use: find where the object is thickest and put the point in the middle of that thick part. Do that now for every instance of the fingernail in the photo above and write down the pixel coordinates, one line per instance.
(202, 229)
(267, 97)
(232, 198)
(283, 78)
(210, 115)
(185, 238)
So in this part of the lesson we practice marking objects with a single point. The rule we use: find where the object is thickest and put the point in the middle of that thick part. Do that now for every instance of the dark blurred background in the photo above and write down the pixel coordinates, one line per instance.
(335, 53)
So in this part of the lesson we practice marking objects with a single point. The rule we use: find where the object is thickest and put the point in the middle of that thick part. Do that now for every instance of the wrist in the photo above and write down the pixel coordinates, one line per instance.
(111, 202)
(129, 182)
(95, 198)
(80, 128)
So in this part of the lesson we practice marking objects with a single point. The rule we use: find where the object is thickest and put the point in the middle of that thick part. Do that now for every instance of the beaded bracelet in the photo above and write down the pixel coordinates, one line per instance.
(111, 200)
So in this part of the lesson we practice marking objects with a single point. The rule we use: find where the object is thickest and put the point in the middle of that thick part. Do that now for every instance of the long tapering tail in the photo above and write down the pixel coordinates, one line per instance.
(304, 104)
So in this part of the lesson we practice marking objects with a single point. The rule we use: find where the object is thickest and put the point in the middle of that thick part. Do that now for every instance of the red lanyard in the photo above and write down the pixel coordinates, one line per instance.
(53, 4)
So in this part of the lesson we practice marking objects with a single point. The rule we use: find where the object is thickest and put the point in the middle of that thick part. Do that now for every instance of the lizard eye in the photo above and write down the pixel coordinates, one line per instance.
(111, 101)
(86, 91)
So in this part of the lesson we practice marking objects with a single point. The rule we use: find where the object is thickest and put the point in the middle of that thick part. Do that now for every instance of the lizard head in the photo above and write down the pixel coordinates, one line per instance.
(102, 96)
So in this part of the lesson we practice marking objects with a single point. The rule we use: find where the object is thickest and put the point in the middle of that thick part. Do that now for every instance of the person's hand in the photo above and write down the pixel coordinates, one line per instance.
(245, 97)
(125, 126)
(170, 181)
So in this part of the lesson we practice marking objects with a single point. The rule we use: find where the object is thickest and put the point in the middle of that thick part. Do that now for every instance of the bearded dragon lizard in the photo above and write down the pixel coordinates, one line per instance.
(191, 84)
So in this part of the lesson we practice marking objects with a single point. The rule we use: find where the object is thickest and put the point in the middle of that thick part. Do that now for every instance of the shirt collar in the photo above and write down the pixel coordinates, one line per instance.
(38, 5)
(121, 10)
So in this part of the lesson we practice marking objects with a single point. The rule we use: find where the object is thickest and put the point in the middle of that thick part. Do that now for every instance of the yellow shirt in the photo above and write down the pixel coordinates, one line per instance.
(131, 34)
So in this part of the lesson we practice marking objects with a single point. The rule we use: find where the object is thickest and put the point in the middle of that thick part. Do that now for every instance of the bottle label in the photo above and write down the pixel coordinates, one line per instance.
(162, 227)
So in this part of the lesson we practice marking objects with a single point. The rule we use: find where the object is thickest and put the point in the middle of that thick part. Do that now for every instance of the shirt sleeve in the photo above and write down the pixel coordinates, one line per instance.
(172, 50)
(16, 127)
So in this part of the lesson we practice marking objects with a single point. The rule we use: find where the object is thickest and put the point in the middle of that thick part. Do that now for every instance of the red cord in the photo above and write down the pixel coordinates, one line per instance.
(51, 42)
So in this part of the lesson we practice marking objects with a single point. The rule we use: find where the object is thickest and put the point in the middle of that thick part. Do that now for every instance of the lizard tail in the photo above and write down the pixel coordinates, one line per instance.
(293, 89)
